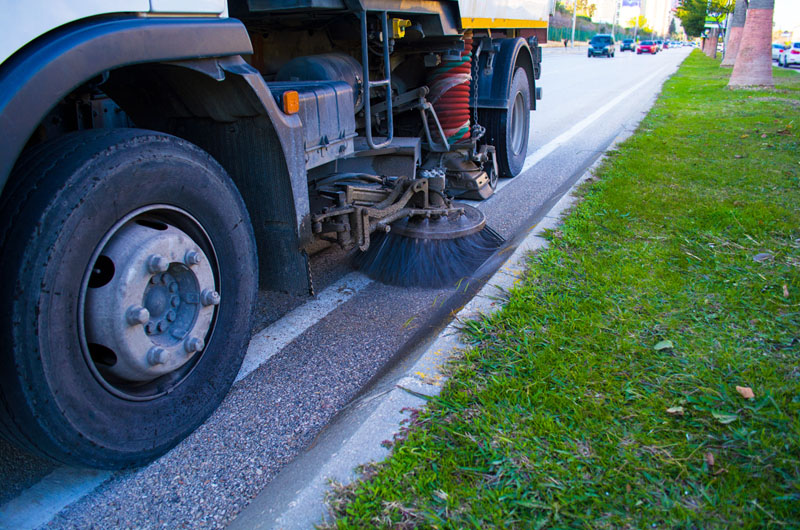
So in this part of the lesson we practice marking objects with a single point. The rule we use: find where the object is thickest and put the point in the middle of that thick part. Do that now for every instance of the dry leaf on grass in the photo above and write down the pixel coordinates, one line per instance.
(678, 411)
(709, 458)
(785, 291)
(746, 392)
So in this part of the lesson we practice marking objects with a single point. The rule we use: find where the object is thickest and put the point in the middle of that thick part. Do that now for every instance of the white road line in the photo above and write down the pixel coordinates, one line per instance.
(38, 504)
(563, 138)
(277, 336)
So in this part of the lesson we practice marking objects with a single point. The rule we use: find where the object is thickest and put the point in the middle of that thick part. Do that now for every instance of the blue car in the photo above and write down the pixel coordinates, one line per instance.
(601, 45)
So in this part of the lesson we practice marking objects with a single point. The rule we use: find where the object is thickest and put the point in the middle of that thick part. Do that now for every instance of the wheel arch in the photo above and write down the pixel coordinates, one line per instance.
(183, 76)
(495, 78)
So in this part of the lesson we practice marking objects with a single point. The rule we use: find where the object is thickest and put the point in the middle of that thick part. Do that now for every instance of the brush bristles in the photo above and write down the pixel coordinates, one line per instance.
(409, 262)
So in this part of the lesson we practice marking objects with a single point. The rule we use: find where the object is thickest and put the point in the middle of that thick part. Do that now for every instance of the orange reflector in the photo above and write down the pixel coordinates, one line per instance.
(291, 102)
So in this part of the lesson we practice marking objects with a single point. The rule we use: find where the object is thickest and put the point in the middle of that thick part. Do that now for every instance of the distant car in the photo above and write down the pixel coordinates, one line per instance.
(666, 45)
(776, 52)
(790, 55)
(627, 44)
(647, 46)
(660, 44)
(601, 45)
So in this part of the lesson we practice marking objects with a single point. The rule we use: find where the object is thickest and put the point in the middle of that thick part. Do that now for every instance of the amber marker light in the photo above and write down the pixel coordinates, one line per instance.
(291, 102)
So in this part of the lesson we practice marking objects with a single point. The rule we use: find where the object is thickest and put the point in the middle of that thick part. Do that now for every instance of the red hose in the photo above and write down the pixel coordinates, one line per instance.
(452, 105)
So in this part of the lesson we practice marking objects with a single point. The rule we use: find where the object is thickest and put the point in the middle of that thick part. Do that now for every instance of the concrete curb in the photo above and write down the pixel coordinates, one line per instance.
(356, 437)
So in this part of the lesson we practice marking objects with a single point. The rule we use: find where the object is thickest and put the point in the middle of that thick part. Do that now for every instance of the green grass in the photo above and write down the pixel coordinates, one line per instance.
(565, 414)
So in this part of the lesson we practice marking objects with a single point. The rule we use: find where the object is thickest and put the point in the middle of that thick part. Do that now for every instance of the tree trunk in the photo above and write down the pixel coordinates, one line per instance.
(753, 66)
(735, 35)
(711, 43)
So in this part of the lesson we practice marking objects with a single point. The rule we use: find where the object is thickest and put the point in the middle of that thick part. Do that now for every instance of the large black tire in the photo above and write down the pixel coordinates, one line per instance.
(507, 129)
(66, 202)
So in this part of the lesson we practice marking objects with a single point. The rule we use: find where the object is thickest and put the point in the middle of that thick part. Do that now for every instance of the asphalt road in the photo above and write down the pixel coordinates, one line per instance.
(318, 355)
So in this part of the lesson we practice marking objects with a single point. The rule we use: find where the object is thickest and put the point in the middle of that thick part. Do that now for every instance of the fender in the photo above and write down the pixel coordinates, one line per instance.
(37, 77)
(34, 80)
(498, 60)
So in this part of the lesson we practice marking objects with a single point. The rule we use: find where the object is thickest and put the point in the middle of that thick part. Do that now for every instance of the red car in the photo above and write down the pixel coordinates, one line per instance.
(647, 46)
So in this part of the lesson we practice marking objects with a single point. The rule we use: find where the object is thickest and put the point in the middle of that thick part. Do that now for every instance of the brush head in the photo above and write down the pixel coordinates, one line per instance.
(430, 253)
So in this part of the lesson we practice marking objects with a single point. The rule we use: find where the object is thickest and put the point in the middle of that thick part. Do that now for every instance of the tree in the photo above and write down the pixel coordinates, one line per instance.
(643, 27)
(753, 66)
(694, 13)
(693, 16)
(735, 33)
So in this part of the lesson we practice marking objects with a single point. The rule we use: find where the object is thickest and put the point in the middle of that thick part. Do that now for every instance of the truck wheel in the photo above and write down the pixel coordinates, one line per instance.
(507, 129)
(131, 265)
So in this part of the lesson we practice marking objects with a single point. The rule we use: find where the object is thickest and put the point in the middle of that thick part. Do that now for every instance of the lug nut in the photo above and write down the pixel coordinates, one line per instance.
(170, 316)
(156, 355)
(162, 326)
(209, 297)
(175, 301)
(150, 328)
(157, 263)
(137, 314)
(193, 344)
(192, 258)
(173, 287)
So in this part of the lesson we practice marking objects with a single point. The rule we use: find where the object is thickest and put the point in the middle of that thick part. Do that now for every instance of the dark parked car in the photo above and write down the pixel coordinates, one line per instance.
(601, 45)
(647, 46)
(627, 44)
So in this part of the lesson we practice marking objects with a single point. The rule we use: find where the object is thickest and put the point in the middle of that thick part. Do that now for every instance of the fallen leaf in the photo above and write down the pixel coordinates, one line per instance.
(663, 345)
(745, 136)
(764, 135)
(785, 291)
(628, 488)
(763, 256)
(709, 458)
(746, 392)
(738, 156)
(724, 418)
(677, 411)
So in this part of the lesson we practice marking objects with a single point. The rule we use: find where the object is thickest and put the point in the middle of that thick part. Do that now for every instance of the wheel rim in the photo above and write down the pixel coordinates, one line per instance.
(148, 302)
(517, 123)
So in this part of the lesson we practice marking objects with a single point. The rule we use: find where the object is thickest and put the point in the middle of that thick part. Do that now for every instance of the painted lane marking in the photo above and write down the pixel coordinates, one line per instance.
(38, 504)
(277, 336)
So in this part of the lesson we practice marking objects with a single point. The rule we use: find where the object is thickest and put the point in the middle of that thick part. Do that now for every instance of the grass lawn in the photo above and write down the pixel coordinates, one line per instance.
(613, 390)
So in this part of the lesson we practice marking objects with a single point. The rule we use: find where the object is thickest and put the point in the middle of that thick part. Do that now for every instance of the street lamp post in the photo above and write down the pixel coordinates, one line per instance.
(574, 16)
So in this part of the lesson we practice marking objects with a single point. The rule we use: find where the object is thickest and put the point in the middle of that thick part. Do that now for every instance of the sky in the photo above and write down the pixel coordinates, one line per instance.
(787, 14)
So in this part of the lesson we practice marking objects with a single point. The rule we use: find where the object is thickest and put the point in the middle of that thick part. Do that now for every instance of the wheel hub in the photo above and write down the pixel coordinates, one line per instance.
(149, 303)
(463, 221)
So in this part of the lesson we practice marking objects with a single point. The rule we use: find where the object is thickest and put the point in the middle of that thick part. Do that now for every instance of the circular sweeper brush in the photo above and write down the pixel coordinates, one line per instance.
(430, 252)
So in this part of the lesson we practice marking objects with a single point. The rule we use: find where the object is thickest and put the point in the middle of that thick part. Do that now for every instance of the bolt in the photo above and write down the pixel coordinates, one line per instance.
(177, 332)
(157, 263)
(192, 258)
(156, 355)
(209, 297)
(175, 301)
(150, 328)
(162, 326)
(154, 279)
(193, 344)
(171, 316)
(173, 287)
(137, 314)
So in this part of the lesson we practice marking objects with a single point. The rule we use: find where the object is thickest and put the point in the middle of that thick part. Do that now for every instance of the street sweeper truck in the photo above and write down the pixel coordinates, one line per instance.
(162, 159)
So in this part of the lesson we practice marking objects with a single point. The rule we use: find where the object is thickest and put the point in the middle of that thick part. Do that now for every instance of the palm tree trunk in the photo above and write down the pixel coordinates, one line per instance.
(753, 66)
(711, 43)
(735, 33)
